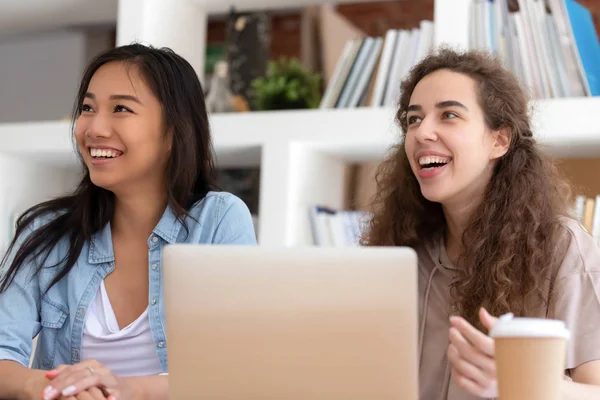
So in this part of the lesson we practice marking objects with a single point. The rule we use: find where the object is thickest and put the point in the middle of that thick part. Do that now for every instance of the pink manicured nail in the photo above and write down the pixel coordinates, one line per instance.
(50, 393)
(50, 373)
(69, 390)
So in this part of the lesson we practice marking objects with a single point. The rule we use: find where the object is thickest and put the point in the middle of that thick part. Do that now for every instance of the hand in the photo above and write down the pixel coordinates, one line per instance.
(35, 385)
(90, 394)
(471, 354)
(72, 380)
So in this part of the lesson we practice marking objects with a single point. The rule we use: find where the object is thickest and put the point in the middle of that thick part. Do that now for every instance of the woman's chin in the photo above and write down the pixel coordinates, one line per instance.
(104, 182)
(433, 195)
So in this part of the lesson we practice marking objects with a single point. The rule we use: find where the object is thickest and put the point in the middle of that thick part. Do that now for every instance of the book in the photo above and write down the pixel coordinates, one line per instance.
(551, 46)
(336, 228)
(369, 70)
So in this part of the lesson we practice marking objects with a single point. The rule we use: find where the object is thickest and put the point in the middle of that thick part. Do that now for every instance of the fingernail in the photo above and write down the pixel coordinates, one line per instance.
(50, 373)
(69, 390)
(50, 393)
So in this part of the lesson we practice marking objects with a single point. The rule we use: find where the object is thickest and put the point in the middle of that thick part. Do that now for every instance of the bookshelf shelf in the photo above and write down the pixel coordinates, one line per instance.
(302, 153)
(567, 127)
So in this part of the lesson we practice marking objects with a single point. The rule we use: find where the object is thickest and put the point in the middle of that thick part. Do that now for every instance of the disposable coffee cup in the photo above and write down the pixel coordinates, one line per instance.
(530, 358)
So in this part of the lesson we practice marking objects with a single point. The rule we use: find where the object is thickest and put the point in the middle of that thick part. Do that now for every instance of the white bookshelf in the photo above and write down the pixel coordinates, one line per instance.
(302, 154)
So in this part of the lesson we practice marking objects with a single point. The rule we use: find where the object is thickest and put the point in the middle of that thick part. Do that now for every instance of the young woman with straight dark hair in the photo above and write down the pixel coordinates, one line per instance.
(83, 272)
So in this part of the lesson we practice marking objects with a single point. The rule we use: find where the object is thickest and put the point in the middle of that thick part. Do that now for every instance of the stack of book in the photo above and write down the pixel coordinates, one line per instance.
(550, 45)
(370, 69)
(334, 228)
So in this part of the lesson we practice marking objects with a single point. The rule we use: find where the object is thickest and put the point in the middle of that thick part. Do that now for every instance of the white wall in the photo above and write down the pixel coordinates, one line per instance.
(39, 75)
(316, 178)
(25, 184)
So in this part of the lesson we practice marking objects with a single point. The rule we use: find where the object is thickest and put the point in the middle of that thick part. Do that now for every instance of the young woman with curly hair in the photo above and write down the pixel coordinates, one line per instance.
(471, 191)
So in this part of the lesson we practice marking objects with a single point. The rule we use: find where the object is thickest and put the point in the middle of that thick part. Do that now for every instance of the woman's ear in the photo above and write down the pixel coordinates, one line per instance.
(500, 142)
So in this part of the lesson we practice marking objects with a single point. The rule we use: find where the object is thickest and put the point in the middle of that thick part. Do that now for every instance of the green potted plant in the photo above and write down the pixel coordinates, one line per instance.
(287, 85)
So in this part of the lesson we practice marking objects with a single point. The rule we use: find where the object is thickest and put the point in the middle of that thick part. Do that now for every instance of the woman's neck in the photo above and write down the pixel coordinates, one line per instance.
(138, 214)
(457, 217)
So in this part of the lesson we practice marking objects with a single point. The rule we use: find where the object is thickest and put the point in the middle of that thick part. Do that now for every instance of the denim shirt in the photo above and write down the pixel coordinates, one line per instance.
(59, 315)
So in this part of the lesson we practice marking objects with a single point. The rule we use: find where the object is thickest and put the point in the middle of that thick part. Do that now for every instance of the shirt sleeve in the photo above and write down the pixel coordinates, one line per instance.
(19, 310)
(576, 298)
(235, 224)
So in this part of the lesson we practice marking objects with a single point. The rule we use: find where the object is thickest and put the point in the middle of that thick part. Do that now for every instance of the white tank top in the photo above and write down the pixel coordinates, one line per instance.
(130, 351)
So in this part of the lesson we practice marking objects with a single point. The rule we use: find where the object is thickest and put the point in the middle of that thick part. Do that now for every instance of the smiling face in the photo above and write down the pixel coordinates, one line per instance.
(120, 131)
(450, 148)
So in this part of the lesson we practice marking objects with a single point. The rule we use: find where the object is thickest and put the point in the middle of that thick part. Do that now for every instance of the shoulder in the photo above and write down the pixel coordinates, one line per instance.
(221, 217)
(575, 293)
(38, 222)
(579, 252)
(216, 205)
(31, 246)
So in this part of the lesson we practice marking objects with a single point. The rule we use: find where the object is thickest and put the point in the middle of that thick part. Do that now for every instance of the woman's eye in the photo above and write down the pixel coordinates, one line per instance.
(413, 119)
(450, 115)
(85, 108)
(120, 108)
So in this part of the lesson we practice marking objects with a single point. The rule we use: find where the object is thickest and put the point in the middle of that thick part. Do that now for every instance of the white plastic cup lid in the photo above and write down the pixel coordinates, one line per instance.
(529, 327)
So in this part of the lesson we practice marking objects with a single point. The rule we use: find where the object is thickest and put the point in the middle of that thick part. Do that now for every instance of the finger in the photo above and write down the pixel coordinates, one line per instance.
(84, 396)
(466, 369)
(471, 354)
(475, 337)
(486, 319)
(82, 383)
(95, 394)
(57, 376)
(71, 383)
(112, 394)
(57, 371)
(467, 385)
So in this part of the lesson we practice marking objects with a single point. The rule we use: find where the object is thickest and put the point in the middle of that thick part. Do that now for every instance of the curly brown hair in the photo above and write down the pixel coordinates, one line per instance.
(508, 245)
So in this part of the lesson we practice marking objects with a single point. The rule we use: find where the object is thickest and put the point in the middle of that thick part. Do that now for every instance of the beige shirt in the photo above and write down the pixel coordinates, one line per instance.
(575, 300)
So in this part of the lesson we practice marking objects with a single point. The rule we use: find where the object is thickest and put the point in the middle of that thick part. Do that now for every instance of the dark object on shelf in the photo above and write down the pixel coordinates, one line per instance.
(248, 44)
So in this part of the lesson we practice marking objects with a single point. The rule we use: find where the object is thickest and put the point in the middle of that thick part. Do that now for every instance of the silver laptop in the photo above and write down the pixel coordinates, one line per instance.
(249, 323)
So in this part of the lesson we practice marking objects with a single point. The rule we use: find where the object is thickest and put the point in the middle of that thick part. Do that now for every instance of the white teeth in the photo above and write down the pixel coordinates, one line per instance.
(107, 153)
(425, 160)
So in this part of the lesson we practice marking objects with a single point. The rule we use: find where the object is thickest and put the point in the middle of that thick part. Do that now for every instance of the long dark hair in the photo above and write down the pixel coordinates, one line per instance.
(509, 244)
(190, 170)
